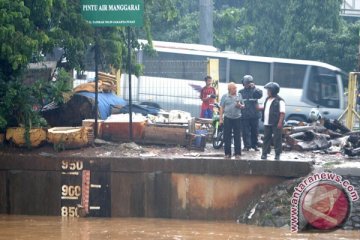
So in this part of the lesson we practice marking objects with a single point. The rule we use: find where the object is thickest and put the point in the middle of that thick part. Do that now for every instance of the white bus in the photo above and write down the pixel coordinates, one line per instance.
(172, 76)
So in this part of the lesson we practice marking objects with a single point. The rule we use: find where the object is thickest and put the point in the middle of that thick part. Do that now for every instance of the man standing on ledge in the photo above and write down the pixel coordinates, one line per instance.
(230, 113)
(250, 114)
(273, 118)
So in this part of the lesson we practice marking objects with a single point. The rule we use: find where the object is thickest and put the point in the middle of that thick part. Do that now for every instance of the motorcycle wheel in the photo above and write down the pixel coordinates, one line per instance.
(218, 140)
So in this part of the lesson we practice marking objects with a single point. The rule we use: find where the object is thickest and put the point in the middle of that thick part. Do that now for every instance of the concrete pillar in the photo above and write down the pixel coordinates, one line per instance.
(206, 22)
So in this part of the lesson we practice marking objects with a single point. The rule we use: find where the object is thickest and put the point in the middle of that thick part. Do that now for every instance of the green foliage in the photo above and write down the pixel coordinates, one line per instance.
(61, 87)
(301, 18)
(164, 21)
(186, 29)
(19, 105)
(302, 29)
(236, 36)
(267, 21)
(339, 49)
(18, 37)
(29, 29)
(3, 124)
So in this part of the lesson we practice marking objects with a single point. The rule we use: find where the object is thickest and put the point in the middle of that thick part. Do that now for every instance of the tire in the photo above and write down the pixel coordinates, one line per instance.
(218, 141)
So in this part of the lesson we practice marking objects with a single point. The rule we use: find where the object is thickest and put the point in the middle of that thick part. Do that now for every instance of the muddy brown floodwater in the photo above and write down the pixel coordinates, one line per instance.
(34, 227)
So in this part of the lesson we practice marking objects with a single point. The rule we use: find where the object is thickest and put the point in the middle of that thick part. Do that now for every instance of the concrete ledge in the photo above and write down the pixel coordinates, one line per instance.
(215, 166)
(187, 188)
(350, 168)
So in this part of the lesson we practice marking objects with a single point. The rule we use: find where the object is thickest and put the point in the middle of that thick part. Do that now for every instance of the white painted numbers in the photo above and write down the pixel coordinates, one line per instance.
(69, 212)
(71, 190)
(72, 166)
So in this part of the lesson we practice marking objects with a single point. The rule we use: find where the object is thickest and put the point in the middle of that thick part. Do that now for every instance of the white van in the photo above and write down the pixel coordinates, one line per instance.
(173, 76)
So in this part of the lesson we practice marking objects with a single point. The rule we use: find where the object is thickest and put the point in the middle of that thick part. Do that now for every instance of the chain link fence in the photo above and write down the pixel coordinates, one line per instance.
(168, 83)
(171, 84)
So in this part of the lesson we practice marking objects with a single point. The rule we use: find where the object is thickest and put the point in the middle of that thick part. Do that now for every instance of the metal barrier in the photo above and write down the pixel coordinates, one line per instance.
(350, 112)
(171, 84)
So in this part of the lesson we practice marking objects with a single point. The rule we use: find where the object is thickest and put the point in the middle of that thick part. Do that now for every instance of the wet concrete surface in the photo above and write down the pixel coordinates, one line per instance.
(149, 151)
(54, 228)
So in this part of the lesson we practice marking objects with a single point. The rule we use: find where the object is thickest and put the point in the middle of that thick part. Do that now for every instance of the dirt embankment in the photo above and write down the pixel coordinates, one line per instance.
(273, 208)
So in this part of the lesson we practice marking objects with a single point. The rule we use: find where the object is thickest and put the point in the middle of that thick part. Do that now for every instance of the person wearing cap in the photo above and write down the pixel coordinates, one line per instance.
(250, 114)
(273, 118)
(207, 95)
(230, 114)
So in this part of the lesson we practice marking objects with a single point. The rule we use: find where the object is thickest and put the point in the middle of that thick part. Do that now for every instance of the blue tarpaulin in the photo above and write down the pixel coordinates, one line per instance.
(105, 101)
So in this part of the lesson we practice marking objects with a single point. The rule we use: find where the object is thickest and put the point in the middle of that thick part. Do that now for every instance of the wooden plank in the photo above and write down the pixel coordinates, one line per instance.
(3, 193)
(34, 192)
(28, 162)
(127, 195)
(157, 200)
(160, 134)
(100, 195)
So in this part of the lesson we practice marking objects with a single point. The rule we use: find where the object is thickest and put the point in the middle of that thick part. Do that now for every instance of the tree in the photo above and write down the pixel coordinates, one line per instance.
(339, 49)
(29, 29)
(301, 18)
(164, 24)
(231, 31)
(302, 29)
(18, 37)
(186, 30)
(297, 29)
(267, 21)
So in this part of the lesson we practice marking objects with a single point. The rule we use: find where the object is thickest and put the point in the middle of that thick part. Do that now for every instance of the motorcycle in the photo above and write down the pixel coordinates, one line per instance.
(218, 134)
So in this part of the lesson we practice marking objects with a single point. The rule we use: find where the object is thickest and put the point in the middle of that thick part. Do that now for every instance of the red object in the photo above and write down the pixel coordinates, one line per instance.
(325, 206)
(85, 190)
(117, 131)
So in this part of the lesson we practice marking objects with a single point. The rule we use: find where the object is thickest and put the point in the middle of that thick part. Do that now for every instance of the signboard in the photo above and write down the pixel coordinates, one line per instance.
(112, 13)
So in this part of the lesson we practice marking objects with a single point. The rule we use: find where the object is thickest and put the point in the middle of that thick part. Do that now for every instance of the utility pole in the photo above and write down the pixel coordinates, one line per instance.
(206, 22)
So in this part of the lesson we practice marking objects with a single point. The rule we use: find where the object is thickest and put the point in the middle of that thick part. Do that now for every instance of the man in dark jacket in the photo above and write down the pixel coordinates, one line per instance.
(250, 114)
(273, 118)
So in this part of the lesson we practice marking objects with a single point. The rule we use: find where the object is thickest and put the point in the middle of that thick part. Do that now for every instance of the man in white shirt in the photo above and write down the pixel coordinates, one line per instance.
(273, 118)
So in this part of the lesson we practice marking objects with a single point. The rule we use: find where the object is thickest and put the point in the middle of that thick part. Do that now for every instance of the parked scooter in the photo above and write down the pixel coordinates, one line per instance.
(218, 135)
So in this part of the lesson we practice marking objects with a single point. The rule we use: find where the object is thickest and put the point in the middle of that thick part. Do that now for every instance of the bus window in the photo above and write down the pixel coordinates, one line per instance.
(180, 66)
(222, 69)
(173, 65)
(323, 88)
(345, 80)
(260, 71)
(289, 75)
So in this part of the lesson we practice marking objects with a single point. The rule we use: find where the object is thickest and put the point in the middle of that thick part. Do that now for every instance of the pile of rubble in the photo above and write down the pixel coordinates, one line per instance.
(324, 136)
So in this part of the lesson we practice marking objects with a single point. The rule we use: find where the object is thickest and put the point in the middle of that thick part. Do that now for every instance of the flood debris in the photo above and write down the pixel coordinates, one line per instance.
(352, 146)
(326, 136)
(131, 146)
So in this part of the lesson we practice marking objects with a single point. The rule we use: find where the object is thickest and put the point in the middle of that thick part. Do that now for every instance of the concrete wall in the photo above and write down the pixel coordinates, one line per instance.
(133, 187)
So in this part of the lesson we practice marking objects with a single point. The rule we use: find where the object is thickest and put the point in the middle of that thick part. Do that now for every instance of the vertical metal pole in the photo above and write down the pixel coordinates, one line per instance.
(130, 88)
(206, 22)
(358, 67)
(96, 82)
(351, 101)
